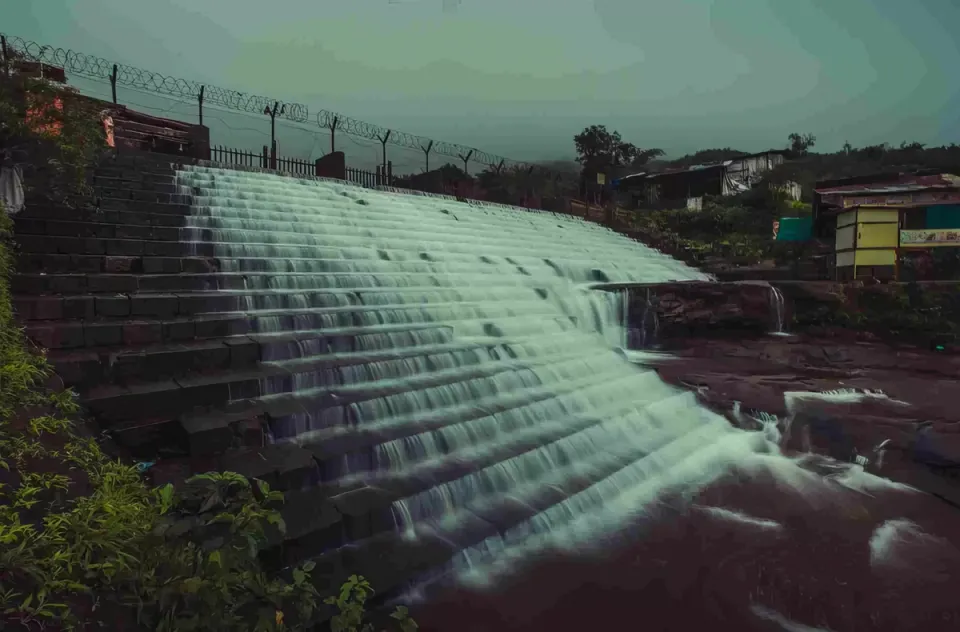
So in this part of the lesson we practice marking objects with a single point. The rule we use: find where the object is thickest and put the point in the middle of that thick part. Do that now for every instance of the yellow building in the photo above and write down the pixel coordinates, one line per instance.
(876, 226)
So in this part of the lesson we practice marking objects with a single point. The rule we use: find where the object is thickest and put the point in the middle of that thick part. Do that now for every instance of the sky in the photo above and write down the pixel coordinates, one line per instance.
(519, 78)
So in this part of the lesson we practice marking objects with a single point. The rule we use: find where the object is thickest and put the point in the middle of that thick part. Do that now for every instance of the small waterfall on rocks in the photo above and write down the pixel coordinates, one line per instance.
(776, 300)
(448, 352)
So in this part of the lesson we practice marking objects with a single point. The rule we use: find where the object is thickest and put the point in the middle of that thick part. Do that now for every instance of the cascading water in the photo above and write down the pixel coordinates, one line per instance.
(458, 353)
(649, 322)
(776, 300)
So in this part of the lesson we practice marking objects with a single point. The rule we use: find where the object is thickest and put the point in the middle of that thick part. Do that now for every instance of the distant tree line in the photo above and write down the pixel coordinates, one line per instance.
(599, 150)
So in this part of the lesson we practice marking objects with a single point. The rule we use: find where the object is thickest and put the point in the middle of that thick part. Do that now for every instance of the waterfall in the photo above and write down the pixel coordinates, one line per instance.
(776, 301)
(649, 321)
(449, 352)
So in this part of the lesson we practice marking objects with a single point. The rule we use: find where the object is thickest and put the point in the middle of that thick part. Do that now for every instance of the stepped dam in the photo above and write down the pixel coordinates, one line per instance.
(433, 384)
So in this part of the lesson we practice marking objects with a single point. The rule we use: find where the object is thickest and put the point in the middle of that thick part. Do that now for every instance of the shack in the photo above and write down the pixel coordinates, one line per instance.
(893, 227)
(688, 186)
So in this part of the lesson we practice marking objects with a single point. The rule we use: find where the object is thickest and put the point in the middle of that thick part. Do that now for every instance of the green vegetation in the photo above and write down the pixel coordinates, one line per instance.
(51, 130)
(737, 229)
(599, 149)
(85, 543)
(808, 168)
(83, 539)
(912, 313)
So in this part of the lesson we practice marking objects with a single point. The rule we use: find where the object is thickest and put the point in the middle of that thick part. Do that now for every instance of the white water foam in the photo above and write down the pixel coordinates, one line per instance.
(454, 349)
(838, 396)
(904, 549)
(741, 518)
(787, 625)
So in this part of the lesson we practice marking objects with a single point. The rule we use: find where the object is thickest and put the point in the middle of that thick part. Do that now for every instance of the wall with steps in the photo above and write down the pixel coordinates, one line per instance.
(112, 295)
(160, 323)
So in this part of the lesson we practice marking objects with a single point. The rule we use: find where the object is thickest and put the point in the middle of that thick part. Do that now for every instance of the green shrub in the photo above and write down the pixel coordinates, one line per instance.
(84, 542)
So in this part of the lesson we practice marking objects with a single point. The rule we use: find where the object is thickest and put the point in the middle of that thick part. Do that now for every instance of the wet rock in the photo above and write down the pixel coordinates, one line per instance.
(685, 309)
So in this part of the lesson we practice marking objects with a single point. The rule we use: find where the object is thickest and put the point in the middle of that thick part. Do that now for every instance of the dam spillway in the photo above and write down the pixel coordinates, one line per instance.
(418, 365)
(462, 360)
(435, 388)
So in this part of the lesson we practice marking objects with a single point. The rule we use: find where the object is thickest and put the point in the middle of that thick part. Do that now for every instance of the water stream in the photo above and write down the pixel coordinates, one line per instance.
(776, 300)
(454, 349)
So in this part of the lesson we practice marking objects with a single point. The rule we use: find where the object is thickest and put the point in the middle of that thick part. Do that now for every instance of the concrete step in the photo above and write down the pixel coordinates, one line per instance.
(92, 332)
(283, 466)
(325, 306)
(85, 330)
(283, 413)
(39, 283)
(125, 364)
(392, 560)
(142, 206)
(128, 157)
(49, 263)
(97, 229)
(169, 195)
(130, 218)
(149, 174)
(274, 382)
(155, 183)
(131, 247)
(330, 446)
(322, 518)
(114, 173)
(121, 365)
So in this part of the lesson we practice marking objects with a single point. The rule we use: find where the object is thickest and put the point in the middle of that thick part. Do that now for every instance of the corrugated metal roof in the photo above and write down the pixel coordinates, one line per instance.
(713, 165)
(906, 184)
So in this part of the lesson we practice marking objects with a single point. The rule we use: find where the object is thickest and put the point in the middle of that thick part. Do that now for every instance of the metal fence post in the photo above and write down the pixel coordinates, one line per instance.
(6, 55)
(383, 143)
(426, 153)
(113, 83)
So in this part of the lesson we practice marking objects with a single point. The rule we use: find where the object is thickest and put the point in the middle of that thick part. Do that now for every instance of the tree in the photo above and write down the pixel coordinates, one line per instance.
(800, 144)
(598, 149)
(52, 124)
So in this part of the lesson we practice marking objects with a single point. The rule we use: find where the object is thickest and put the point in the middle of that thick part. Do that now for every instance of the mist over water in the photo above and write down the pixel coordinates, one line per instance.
(456, 352)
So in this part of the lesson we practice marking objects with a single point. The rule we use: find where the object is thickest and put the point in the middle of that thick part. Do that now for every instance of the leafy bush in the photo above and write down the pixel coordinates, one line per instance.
(53, 131)
(84, 542)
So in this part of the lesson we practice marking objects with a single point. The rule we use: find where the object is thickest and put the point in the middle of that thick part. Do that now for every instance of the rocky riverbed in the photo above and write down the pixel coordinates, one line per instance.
(864, 535)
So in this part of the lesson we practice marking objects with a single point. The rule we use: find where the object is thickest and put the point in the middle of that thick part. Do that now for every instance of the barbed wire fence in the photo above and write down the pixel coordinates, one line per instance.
(204, 95)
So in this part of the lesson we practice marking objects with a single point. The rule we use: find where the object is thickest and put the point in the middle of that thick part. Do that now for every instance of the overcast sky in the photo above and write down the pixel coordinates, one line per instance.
(521, 77)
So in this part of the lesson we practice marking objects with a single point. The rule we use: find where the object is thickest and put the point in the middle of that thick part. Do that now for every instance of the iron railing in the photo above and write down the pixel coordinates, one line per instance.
(229, 156)
(378, 178)
(296, 166)
(263, 160)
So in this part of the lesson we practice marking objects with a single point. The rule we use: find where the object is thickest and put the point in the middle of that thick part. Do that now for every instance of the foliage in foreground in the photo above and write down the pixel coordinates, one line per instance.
(52, 131)
(82, 538)
(84, 542)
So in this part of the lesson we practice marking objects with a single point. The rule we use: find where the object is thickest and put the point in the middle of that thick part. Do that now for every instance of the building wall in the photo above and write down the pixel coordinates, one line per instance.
(845, 259)
(885, 235)
(749, 170)
(887, 257)
(845, 237)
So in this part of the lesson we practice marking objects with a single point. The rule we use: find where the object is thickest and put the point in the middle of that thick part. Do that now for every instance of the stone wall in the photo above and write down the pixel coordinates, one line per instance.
(925, 314)
(663, 312)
